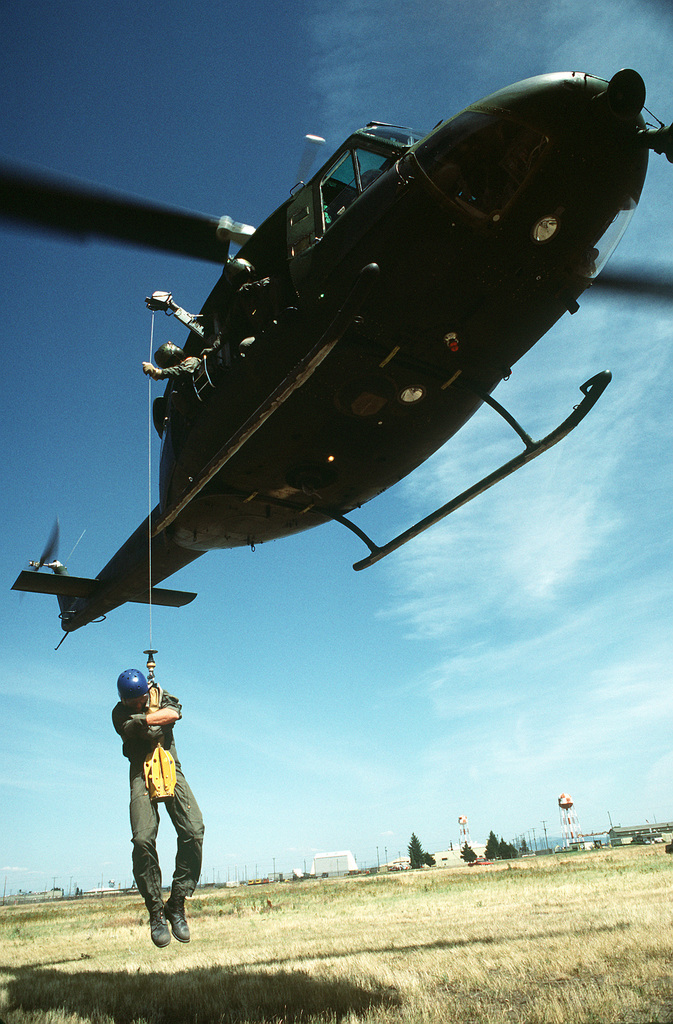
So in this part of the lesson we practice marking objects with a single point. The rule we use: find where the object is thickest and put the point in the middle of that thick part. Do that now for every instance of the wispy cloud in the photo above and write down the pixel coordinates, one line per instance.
(380, 60)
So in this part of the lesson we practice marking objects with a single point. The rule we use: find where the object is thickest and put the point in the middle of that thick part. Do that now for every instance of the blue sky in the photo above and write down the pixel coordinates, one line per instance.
(519, 650)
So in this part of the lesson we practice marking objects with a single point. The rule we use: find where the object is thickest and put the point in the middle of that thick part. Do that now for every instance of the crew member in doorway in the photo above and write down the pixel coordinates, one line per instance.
(171, 363)
(145, 722)
(253, 306)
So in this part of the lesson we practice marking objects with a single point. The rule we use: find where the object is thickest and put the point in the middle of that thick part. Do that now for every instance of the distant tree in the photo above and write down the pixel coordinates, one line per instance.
(468, 854)
(524, 847)
(415, 851)
(492, 850)
(417, 854)
(506, 851)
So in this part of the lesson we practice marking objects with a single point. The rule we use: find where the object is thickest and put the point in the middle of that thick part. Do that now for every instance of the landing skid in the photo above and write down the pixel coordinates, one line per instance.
(592, 391)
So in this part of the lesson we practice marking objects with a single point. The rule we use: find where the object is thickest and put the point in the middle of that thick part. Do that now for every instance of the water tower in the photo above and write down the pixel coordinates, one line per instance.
(569, 822)
(464, 831)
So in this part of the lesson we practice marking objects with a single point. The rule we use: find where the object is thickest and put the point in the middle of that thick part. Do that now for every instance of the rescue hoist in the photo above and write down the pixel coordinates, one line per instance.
(159, 767)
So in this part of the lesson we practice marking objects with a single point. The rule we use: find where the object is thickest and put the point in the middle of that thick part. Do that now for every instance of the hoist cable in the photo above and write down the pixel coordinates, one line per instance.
(149, 479)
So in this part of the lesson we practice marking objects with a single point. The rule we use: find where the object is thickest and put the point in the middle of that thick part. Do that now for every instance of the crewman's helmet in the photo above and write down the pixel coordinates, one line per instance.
(239, 271)
(132, 684)
(168, 355)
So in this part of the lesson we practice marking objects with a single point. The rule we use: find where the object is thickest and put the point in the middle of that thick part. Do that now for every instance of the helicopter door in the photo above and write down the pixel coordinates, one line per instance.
(300, 222)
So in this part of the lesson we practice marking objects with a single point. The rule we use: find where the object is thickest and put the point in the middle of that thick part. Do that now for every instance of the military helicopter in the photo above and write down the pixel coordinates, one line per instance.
(366, 320)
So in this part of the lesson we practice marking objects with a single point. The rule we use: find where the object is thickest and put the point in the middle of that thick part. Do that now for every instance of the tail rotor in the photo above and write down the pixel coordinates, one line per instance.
(50, 552)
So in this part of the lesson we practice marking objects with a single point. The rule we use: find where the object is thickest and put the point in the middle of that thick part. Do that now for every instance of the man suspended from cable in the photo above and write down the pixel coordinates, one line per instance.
(144, 718)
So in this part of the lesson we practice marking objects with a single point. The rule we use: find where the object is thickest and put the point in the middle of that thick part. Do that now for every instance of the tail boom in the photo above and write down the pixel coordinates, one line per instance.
(124, 579)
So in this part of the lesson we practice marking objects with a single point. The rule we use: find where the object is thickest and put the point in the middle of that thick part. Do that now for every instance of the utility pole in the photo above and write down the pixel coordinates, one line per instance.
(546, 841)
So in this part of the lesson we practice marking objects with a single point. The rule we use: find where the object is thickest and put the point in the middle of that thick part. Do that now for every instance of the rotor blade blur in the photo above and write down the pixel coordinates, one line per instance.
(644, 284)
(311, 145)
(51, 547)
(74, 208)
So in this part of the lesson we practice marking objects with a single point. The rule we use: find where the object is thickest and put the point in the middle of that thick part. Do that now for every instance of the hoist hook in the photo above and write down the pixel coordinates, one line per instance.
(151, 665)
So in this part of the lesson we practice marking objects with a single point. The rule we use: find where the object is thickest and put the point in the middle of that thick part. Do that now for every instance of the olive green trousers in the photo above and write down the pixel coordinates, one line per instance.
(184, 812)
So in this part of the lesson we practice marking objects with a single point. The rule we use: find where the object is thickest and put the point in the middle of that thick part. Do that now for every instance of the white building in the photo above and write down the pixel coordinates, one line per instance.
(329, 865)
(452, 858)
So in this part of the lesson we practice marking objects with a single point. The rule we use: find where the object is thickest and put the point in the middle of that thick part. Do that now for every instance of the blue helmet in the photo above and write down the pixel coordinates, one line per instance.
(132, 684)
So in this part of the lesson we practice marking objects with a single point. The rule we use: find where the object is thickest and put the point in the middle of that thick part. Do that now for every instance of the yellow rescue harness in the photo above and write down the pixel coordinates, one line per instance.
(159, 764)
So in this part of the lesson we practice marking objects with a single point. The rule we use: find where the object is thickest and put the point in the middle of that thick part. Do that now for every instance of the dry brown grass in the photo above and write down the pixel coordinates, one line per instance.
(582, 938)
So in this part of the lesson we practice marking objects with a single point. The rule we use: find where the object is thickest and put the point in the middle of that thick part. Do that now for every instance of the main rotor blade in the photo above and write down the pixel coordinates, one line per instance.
(650, 284)
(77, 209)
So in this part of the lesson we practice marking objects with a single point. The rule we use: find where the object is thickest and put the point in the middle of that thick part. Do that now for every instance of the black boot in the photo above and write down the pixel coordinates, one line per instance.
(175, 912)
(158, 928)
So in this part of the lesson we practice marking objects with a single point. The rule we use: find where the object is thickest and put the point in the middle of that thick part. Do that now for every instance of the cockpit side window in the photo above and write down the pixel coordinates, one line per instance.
(371, 165)
(348, 178)
(339, 188)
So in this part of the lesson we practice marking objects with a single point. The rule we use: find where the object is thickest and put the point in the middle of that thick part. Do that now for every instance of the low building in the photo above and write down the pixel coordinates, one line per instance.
(452, 858)
(623, 835)
(398, 864)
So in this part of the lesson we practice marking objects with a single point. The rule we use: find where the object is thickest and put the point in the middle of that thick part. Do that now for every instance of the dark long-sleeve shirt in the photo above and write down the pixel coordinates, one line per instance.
(139, 738)
(186, 368)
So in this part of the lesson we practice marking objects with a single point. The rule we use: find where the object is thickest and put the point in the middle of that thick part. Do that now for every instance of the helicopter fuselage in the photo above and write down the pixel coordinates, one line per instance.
(485, 233)
(476, 238)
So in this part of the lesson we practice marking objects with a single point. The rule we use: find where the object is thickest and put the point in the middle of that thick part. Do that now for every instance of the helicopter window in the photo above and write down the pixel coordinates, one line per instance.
(598, 255)
(480, 161)
(354, 172)
(371, 165)
(339, 189)
(392, 133)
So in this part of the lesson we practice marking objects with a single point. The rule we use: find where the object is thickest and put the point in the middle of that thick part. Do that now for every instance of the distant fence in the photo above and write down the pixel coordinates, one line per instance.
(17, 899)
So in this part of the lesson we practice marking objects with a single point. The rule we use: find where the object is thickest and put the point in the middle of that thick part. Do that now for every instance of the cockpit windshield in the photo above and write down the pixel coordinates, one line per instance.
(480, 160)
(598, 255)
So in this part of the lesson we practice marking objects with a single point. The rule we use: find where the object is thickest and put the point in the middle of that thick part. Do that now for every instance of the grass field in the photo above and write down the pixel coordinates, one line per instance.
(583, 938)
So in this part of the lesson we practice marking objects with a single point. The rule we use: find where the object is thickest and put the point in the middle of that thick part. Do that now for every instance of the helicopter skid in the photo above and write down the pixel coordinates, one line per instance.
(592, 391)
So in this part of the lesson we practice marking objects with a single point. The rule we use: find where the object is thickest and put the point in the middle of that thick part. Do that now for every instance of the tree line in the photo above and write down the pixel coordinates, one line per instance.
(496, 849)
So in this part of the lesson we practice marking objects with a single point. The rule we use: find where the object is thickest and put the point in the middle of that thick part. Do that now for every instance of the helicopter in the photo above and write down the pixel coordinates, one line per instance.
(365, 321)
